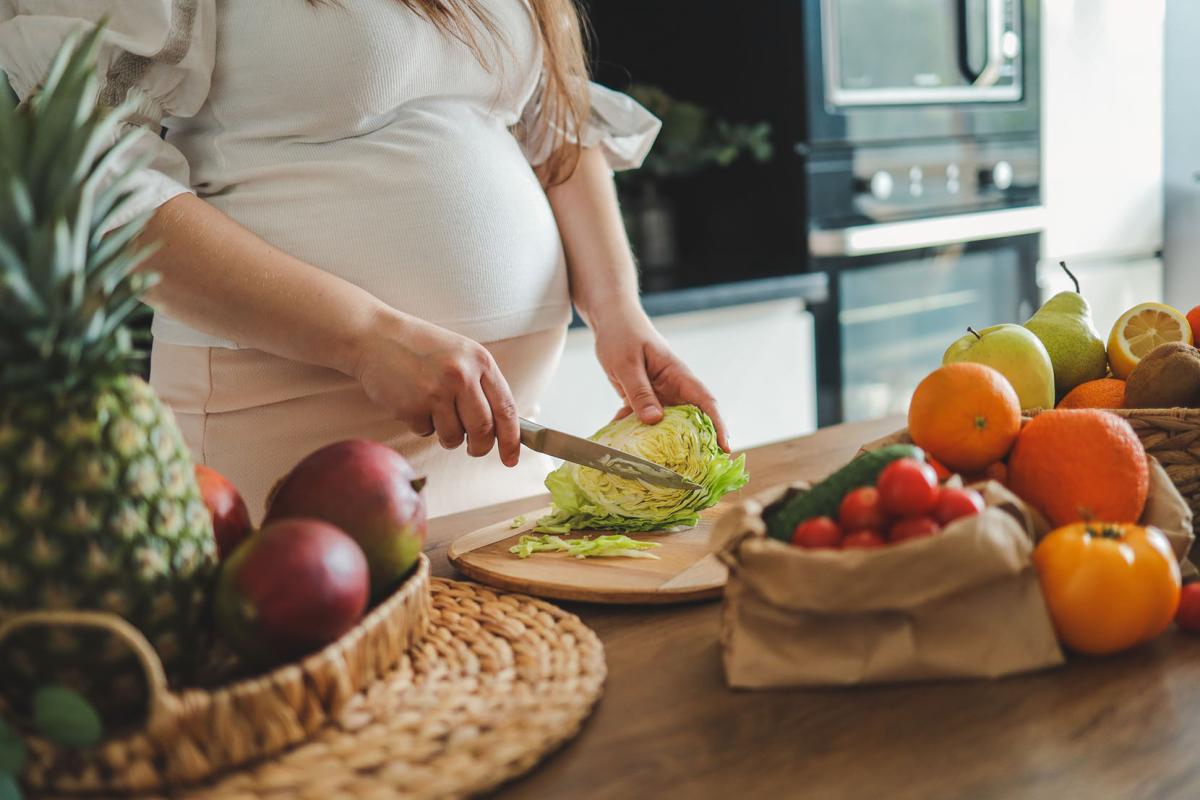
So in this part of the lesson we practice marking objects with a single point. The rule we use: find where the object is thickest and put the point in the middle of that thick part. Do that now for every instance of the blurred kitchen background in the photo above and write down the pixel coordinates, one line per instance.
(841, 187)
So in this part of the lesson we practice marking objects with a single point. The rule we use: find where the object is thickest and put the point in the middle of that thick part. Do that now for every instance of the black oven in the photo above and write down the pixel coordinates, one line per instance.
(906, 166)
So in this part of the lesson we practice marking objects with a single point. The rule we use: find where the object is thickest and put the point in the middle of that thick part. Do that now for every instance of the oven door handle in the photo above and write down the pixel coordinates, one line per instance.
(896, 237)
(994, 55)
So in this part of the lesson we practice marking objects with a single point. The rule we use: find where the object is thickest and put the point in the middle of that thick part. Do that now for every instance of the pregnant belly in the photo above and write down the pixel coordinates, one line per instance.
(439, 215)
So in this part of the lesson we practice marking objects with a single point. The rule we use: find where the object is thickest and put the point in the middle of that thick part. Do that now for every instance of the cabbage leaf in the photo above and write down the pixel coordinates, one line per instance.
(611, 546)
(684, 441)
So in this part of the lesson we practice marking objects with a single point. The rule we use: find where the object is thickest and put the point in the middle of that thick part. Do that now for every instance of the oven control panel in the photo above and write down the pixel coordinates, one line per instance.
(910, 181)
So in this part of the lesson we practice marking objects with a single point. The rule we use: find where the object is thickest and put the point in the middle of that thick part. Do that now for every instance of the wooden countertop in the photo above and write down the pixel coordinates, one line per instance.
(1121, 727)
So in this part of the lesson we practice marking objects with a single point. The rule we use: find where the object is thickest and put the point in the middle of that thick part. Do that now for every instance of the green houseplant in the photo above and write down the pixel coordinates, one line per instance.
(692, 141)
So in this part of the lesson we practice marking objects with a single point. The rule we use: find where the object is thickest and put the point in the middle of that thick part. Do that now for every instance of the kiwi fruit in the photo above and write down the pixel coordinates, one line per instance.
(1167, 377)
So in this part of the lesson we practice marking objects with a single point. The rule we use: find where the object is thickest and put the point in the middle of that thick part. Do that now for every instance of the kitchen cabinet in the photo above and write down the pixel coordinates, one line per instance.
(756, 358)
(1102, 152)
(1181, 249)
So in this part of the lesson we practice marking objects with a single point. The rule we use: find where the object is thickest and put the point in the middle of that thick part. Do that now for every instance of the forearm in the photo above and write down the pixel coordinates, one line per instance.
(220, 278)
(599, 261)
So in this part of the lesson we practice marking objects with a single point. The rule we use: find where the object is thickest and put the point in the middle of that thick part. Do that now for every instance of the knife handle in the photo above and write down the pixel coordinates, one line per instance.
(532, 434)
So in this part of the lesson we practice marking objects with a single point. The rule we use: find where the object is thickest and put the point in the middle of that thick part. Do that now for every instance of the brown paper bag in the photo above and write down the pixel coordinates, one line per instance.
(965, 603)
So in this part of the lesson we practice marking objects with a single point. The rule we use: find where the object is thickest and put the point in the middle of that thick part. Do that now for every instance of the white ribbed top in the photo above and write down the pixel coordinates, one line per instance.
(353, 135)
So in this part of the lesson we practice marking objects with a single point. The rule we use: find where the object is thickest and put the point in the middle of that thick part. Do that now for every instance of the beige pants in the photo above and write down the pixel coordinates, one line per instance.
(251, 416)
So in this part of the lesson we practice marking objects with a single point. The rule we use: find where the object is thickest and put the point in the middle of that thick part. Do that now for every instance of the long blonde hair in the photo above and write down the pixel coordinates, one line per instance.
(560, 107)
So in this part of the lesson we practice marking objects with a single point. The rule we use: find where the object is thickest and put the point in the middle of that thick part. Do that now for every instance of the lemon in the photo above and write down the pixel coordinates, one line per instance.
(1140, 330)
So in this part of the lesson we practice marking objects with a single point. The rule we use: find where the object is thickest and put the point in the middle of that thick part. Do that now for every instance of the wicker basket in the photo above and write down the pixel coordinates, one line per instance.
(1172, 435)
(194, 734)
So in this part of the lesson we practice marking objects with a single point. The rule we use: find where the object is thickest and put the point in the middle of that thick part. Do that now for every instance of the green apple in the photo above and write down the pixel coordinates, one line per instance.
(1015, 353)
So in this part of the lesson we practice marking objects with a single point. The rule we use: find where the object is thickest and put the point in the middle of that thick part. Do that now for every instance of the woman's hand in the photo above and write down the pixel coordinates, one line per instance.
(435, 381)
(644, 371)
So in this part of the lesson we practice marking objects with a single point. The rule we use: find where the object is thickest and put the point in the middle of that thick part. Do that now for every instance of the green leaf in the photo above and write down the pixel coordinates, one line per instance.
(63, 716)
(12, 750)
(9, 790)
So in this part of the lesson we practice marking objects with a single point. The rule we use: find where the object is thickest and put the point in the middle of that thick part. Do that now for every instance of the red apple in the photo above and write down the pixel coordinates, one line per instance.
(290, 589)
(367, 490)
(231, 518)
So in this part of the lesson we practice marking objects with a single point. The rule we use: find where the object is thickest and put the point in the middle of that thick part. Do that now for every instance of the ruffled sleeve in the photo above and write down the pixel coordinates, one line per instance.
(622, 129)
(159, 53)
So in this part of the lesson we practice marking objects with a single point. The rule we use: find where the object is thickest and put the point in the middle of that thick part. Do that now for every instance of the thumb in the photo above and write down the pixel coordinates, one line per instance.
(639, 395)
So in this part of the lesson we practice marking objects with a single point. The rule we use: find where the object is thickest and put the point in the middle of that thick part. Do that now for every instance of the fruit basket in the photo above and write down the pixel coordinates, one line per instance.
(1172, 437)
(193, 734)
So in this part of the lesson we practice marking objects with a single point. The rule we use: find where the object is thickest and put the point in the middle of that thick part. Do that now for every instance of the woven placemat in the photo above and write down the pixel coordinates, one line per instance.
(499, 682)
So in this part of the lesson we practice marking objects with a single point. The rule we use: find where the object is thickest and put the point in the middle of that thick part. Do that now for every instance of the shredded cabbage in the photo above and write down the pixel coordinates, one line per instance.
(610, 546)
(684, 441)
(516, 523)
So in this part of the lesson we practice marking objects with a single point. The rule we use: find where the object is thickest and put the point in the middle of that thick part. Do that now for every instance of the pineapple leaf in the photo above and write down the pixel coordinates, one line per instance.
(58, 67)
(15, 281)
(21, 203)
(67, 283)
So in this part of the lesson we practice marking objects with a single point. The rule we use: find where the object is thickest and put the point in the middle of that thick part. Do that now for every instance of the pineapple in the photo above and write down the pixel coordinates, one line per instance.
(99, 507)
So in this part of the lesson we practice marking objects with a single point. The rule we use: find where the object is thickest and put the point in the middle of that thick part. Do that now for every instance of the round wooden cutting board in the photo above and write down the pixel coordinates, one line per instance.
(683, 572)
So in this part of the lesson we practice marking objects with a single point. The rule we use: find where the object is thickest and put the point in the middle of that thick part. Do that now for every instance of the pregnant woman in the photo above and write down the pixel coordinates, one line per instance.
(373, 218)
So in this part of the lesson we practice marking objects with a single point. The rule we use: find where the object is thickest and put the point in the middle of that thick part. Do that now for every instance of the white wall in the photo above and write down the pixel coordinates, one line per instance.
(1102, 149)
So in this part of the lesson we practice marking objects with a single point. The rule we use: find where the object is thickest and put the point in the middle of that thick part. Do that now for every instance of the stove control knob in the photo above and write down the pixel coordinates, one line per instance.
(1000, 176)
(880, 185)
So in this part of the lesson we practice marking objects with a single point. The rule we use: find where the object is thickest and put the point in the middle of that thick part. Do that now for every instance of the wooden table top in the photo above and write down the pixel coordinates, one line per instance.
(1121, 727)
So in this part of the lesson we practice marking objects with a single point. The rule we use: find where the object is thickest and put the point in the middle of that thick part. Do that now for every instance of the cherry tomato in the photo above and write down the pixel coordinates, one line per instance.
(1187, 616)
(817, 532)
(952, 504)
(912, 528)
(907, 487)
(939, 468)
(863, 540)
(860, 510)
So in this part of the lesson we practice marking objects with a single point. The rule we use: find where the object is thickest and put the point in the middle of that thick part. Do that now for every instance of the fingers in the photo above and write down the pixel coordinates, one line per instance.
(639, 394)
(449, 428)
(624, 412)
(476, 417)
(421, 425)
(504, 416)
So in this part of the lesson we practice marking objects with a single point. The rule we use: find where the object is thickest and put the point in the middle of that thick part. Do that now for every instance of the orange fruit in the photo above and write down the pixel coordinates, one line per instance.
(1080, 464)
(966, 415)
(1141, 329)
(1193, 318)
(1102, 393)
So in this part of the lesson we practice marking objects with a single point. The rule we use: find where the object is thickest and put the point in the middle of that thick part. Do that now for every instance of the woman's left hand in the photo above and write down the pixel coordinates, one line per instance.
(646, 373)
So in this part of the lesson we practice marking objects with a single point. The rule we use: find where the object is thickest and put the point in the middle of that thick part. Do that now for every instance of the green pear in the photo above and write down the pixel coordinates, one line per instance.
(1016, 354)
(1064, 325)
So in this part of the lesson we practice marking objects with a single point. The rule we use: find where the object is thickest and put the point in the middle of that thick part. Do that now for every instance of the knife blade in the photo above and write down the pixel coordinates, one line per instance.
(587, 453)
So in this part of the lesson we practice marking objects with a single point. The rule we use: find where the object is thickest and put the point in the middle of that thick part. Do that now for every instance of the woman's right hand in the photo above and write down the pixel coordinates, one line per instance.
(436, 381)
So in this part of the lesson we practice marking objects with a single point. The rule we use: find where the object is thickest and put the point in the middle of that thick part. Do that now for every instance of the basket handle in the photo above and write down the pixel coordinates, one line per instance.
(162, 704)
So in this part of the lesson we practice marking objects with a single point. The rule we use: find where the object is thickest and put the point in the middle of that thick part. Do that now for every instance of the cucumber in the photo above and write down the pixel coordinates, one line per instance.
(823, 499)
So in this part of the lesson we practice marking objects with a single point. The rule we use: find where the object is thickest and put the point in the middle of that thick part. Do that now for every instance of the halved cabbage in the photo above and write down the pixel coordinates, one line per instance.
(684, 441)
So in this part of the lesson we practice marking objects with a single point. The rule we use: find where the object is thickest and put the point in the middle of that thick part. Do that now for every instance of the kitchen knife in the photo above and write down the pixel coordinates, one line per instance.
(606, 459)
